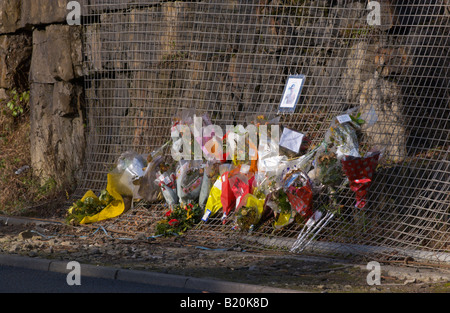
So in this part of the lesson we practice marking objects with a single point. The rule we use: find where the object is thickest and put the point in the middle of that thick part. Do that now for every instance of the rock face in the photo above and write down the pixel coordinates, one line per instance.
(382, 98)
(57, 103)
(57, 131)
(41, 54)
(17, 15)
(56, 54)
(15, 56)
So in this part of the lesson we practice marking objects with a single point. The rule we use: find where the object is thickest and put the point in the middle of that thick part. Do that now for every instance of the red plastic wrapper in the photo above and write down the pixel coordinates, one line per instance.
(301, 200)
(359, 172)
(227, 197)
(241, 183)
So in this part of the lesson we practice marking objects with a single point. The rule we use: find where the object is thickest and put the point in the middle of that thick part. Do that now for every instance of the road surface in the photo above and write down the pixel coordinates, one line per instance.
(22, 280)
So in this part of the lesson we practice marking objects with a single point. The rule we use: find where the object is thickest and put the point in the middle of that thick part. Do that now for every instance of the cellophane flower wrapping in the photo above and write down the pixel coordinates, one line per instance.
(189, 177)
(188, 136)
(210, 175)
(227, 196)
(360, 172)
(328, 168)
(298, 188)
(214, 203)
(128, 174)
(341, 140)
(168, 185)
(249, 213)
(344, 137)
(282, 200)
(241, 182)
(270, 184)
(157, 162)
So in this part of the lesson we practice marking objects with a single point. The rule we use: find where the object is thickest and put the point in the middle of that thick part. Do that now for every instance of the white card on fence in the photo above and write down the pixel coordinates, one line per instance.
(344, 118)
(291, 140)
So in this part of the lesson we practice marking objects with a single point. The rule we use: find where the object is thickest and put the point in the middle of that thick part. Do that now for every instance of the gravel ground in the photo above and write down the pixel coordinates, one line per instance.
(181, 257)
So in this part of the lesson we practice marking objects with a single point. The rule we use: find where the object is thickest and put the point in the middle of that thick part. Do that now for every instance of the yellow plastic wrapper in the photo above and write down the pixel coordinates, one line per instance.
(283, 219)
(114, 209)
(252, 201)
(214, 203)
(249, 213)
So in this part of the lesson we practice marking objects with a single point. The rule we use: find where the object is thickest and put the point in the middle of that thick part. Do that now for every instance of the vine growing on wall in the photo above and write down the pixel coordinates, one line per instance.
(17, 104)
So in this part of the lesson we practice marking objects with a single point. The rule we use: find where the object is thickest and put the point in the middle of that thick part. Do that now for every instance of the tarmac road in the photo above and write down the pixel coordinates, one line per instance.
(33, 275)
(25, 280)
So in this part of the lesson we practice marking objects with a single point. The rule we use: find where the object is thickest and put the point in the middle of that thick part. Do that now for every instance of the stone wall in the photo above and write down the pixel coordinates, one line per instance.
(41, 53)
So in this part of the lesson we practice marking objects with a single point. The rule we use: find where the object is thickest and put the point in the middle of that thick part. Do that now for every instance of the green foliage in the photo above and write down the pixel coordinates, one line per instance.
(357, 119)
(47, 187)
(17, 103)
(247, 217)
(282, 200)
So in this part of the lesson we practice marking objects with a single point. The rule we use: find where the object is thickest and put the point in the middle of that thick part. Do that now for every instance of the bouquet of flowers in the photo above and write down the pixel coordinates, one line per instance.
(241, 182)
(188, 135)
(210, 175)
(158, 164)
(359, 172)
(249, 213)
(343, 135)
(298, 188)
(89, 205)
(227, 197)
(278, 202)
(189, 177)
(179, 219)
(327, 174)
(341, 140)
(213, 204)
(216, 199)
(329, 171)
(268, 187)
(167, 182)
(128, 174)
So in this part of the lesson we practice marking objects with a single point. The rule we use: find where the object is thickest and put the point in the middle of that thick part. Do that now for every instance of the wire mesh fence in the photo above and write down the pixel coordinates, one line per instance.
(147, 60)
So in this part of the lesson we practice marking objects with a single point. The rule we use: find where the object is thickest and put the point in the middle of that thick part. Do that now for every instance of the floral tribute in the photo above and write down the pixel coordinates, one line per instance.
(178, 220)
(360, 172)
(256, 183)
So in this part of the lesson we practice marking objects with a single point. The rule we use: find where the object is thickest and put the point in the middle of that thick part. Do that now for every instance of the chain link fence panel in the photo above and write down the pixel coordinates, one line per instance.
(147, 60)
